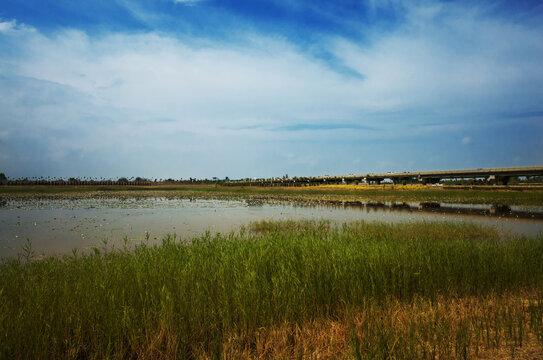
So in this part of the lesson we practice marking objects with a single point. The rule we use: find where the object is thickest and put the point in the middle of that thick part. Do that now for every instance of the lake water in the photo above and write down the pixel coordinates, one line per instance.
(55, 226)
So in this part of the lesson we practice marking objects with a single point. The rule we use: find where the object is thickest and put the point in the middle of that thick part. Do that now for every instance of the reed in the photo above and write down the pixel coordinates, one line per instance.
(218, 295)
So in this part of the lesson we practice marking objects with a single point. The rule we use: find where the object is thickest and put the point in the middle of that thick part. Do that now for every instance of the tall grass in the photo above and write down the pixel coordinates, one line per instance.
(185, 299)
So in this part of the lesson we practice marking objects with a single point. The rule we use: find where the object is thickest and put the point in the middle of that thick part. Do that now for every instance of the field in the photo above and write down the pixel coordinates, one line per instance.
(519, 195)
(276, 290)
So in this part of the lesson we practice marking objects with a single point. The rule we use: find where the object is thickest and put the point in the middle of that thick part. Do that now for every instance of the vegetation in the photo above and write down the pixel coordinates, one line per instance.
(282, 290)
(384, 193)
(267, 182)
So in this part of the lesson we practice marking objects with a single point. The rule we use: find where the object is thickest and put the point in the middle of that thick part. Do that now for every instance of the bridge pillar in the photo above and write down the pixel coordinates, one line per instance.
(406, 180)
(499, 180)
(504, 180)
(427, 181)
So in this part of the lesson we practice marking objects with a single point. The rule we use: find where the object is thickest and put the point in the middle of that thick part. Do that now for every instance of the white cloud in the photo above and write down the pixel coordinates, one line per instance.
(465, 63)
(201, 87)
(14, 28)
(466, 140)
(7, 26)
(456, 67)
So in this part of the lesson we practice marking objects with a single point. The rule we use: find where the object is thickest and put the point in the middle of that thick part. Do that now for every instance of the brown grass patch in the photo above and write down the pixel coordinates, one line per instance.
(497, 327)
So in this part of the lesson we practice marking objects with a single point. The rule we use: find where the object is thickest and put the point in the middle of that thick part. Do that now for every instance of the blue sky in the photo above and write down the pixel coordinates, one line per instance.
(203, 88)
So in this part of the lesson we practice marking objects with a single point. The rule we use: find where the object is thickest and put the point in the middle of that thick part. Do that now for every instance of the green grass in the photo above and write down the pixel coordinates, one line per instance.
(181, 299)
(510, 196)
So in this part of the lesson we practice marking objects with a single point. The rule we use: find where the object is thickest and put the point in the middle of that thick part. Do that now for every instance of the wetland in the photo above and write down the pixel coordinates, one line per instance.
(241, 274)
(58, 225)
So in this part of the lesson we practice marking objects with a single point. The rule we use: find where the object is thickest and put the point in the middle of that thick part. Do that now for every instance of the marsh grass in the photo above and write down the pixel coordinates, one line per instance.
(490, 327)
(509, 196)
(434, 290)
(320, 227)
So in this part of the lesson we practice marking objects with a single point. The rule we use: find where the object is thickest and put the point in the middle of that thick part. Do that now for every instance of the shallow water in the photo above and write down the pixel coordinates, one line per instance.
(60, 225)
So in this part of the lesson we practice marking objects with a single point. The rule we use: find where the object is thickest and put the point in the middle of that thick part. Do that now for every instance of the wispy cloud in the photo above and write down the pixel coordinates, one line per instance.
(187, 2)
(325, 127)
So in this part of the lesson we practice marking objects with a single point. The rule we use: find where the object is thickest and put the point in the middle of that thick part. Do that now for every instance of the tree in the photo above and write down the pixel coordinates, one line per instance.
(3, 179)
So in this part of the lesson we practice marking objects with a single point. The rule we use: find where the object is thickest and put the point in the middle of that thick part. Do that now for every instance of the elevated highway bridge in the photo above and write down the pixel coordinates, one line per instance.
(494, 175)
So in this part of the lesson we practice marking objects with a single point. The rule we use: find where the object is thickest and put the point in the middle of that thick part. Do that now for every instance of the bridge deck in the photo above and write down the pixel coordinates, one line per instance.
(439, 174)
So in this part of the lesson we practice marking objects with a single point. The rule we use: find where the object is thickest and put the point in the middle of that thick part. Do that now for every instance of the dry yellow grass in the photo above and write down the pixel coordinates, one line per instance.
(412, 330)
(374, 187)
(531, 350)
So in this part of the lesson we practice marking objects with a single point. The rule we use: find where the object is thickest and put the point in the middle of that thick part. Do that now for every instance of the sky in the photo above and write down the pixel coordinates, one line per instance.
(251, 89)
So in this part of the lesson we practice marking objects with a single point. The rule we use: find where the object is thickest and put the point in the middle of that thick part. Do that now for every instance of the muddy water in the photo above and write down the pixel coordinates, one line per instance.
(56, 226)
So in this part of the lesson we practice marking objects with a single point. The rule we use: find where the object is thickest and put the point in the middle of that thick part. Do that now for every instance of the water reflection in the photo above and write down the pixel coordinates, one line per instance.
(500, 211)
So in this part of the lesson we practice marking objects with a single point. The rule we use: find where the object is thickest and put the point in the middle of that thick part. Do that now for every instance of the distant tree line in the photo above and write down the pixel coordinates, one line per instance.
(277, 181)
(134, 181)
